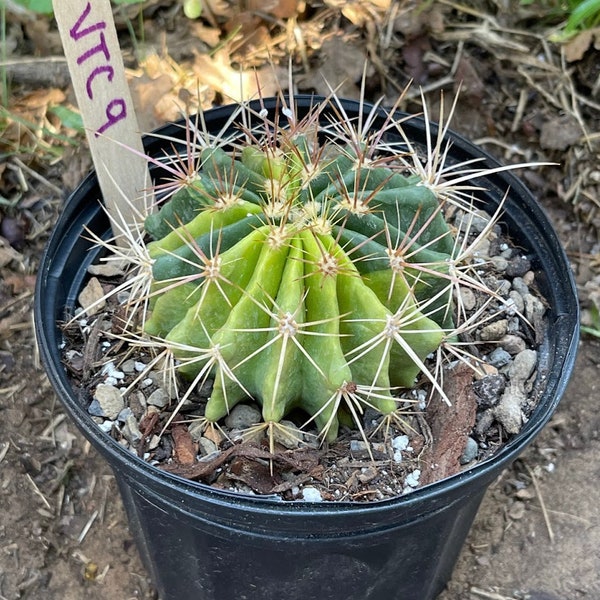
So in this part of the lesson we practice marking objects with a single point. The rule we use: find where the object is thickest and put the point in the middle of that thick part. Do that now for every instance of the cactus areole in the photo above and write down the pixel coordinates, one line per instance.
(304, 267)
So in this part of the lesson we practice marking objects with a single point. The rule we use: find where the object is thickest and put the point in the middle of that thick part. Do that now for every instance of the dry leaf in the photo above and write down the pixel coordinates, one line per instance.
(183, 445)
(216, 73)
(282, 9)
(580, 44)
(361, 12)
(342, 67)
(147, 94)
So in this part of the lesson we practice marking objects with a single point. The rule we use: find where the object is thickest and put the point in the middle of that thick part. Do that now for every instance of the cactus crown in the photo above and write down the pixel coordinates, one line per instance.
(307, 262)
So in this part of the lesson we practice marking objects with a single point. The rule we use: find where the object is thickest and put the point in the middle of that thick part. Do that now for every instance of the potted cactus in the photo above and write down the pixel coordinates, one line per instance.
(308, 254)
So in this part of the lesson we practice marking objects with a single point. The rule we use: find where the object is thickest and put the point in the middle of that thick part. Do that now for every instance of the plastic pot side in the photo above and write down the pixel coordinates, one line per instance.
(205, 544)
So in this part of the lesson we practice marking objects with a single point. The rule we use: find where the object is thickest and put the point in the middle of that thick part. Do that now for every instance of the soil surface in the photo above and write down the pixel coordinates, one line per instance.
(63, 533)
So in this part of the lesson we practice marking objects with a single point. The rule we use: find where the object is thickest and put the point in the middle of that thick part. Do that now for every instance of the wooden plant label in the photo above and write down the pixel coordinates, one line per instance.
(95, 63)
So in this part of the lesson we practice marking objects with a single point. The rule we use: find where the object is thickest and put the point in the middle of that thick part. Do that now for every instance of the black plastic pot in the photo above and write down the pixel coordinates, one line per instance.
(206, 544)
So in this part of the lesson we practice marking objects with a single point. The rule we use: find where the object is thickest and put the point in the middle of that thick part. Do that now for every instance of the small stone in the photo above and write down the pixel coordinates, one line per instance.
(110, 400)
(123, 297)
(520, 286)
(288, 435)
(517, 300)
(560, 132)
(359, 448)
(503, 287)
(125, 414)
(523, 366)
(400, 442)
(154, 442)
(514, 326)
(128, 366)
(513, 344)
(161, 380)
(243, 416)
(518, 266)
(112, 372)
(467, 298)
(112, 268)
(91, 297)
(529, 277)
(482, 248)
(412, 479)
(534, 309)
(206, 446)
(131, 430)
(494, 331)
(470, 452)
(485, 370)
(489, 389)
(95, 409)
(473, 222)
(484, 422)
(379, 448)
(499, 357)
(158, 398)
(508, 410)
(196, 431)
(311, 494)
(106, 426)
(500, 263)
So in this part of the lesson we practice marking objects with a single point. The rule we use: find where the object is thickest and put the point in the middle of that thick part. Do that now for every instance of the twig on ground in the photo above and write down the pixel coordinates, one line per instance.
(87, 527)
(37, 491)
(542, 503)
(489, 595)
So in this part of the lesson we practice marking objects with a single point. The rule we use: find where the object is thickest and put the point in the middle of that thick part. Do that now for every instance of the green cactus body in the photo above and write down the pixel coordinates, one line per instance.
(244, 333)
(278, 385)
(198, 316)
(291, 291)
(325, 368)
(209, 220)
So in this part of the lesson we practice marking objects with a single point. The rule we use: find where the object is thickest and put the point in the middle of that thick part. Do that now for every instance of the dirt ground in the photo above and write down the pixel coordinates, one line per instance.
(63, 533)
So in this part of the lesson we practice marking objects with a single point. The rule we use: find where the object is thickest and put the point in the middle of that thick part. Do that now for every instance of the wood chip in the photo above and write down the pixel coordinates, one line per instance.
(450, 425)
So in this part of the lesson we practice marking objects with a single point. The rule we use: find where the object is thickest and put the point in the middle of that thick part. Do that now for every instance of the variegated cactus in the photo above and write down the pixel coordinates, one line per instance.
(303, 270)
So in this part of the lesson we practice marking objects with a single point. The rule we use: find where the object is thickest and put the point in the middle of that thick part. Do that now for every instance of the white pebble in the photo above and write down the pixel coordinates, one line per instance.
(110, 370)
(311, 494)
(400, 442)
(412, 479)
(106, 426)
